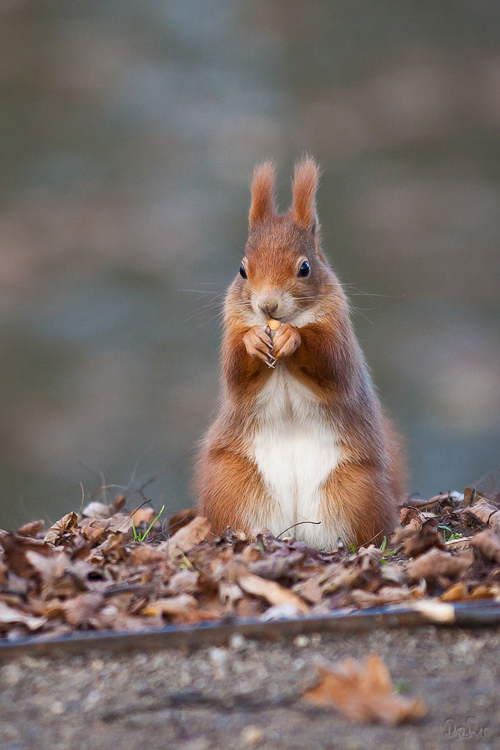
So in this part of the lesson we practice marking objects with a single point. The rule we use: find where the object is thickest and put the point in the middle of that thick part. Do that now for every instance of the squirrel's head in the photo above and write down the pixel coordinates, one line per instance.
(284, 274)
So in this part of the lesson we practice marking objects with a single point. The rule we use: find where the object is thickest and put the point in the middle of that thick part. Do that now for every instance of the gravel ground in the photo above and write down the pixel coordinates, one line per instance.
(246, 695)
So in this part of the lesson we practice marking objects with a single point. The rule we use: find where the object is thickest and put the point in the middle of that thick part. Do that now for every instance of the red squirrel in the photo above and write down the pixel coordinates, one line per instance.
(300, 435)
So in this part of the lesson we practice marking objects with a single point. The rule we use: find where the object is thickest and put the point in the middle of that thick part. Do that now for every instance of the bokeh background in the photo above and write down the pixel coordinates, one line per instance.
(128, 133)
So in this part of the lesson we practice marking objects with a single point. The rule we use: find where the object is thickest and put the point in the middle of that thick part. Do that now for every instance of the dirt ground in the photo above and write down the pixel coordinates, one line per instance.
(247, 695)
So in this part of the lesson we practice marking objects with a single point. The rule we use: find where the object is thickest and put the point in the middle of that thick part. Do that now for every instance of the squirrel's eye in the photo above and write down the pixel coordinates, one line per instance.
(243, 273)
(304, 270)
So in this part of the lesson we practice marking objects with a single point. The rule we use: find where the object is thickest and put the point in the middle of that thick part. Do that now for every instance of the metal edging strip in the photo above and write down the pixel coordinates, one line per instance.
(219, 633)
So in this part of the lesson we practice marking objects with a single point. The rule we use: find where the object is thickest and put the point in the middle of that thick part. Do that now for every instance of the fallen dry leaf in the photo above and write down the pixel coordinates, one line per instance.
(458, 544)
(119, 524)
(310, 590)
(14, 552)
(143, 515)
(455, 593)
(11, 616)
(184, 582)
(31, 529)
(81, 610)
(188, 536)
(92, 574)
(436, 564)
(144, 554)
(61, 527)
(363, 693)
(176, 605)
(486, 513)
(462, 591)
(181, 519)
(277, 565)
(487, 543)
(271, 591)
(415, 542)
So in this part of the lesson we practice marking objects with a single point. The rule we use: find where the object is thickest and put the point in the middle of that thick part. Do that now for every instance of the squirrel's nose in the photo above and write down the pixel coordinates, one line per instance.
(270, 306)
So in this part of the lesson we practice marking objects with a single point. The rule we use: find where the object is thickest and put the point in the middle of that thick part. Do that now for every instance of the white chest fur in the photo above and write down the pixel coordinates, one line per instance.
(295, 448)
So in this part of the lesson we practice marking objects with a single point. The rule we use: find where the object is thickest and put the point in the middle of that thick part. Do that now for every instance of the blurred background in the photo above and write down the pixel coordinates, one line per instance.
(128, 134)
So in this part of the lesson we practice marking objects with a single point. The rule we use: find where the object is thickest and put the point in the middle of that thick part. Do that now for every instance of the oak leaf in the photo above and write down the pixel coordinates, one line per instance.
(363, 693)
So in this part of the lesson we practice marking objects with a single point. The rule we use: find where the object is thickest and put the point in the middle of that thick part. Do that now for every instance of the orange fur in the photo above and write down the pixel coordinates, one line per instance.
(262, 208)
(305, 184)
(359, 496)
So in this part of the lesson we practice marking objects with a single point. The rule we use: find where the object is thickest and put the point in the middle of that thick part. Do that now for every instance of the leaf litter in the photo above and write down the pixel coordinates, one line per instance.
(88, 571)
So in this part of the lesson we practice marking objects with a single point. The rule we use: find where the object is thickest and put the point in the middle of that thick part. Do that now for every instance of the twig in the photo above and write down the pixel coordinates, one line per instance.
(315, 523)
(130, 515)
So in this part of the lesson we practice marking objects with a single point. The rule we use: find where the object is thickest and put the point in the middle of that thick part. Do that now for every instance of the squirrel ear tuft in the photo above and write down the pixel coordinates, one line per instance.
(305, 184)
(262, 208)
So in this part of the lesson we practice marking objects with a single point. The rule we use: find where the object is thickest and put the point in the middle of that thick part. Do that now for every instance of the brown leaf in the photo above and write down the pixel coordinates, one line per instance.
(462, 591)
(188, 537)
(455, 593)
(485, 592)
(277, 565)
(59, 575)
(410, 515)
(118, 504)
(487, 543)
(144, 554)
(119, 524)
(31, 529)
(363, 693)
(112, 550)
(181, 519)
(10, 616)
(394, 573)
(416, 541)
(93, 530)
(435, 564)
(143, 515)
(271, 591)
(176, 605)
(15, 549)
(458, 544)
(310, 590)
(80, 610)
(385, 595)
(486, 513)
(57, 531)
(184, 582)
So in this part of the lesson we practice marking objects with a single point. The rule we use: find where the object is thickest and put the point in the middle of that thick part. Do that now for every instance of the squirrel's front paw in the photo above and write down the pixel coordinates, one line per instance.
(259, 345)
(286, 341)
